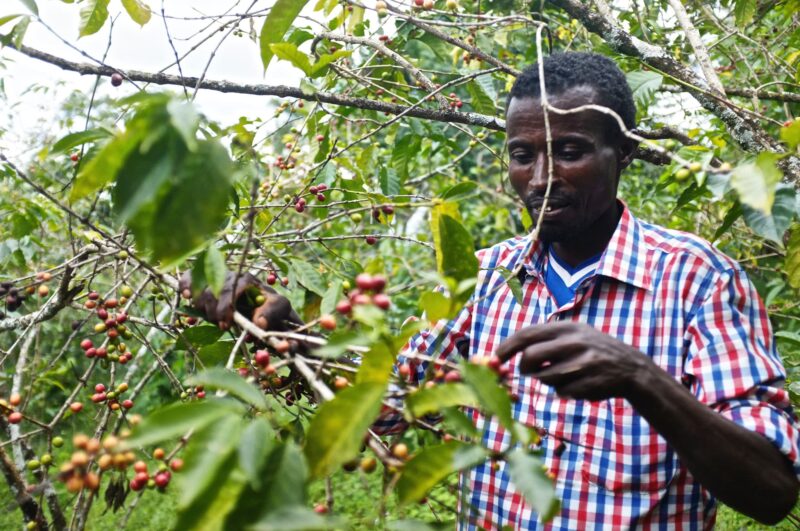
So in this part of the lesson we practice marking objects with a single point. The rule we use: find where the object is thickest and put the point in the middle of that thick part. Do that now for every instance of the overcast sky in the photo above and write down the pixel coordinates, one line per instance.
(132, 47)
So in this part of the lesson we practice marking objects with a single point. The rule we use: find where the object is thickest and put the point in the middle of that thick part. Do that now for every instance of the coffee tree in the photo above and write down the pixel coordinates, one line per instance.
(361, 197)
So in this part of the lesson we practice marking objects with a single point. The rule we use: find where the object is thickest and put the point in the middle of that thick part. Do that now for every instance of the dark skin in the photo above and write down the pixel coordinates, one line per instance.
(739, 467)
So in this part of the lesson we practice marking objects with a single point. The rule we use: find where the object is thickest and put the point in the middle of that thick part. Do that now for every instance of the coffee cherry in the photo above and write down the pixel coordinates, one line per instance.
(382, 301)
(361, 299)
(127, 403)
(321, 197)
(321, 508)
(364, 281)
(111, 303)
(344, 307)
(176, 464)
(427, 4)
(452, 377)
(86, 344)
(328, 322)
(201, 394)
(162, 479)
(404, 371)
(116, 79)
(261, 358)
(682, 174)
(282, 346)
(368, 464)
(93, 295)
(387, 209)
(371, 240)
(378, 283)
(15, 399)
(271, 279)
(285, 281)
(76, 407)
(400, 451)
(494, 363)
(58, 442)
(695, 167)
(340, 382)
(320, 138)
(43, 290)
(15, 417)
(99, 388)
(136, 485)
(159, 453)
(299, 207)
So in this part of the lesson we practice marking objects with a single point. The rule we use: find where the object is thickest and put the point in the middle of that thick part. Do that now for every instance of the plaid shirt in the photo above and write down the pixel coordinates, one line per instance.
(678, 300)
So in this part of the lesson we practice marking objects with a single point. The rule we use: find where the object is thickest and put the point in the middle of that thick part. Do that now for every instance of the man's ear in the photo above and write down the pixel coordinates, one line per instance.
(627, 149)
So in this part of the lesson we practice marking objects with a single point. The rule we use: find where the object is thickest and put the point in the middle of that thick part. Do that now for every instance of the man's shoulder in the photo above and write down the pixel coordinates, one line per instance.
(679, 246)
(504, 253)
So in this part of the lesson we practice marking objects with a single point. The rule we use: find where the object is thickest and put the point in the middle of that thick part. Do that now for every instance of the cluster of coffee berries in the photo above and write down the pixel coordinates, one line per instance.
(162, 475)
(14, 298)
(318, 191)
(455, 101)
(380, 7)
(424, 4)
(112, 325)
(76, 474)
(284, 163)
(197, 392)
(112, 398)
(272, 279)
(369, 290)
(387, 210)
(8, 407)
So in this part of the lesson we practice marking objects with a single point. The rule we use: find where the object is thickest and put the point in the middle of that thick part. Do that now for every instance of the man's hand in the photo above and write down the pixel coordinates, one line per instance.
(273, 313)
(576, 359)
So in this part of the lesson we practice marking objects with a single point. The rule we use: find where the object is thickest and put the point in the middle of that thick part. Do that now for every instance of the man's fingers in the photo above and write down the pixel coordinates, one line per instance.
(542, 355)
(532, 334)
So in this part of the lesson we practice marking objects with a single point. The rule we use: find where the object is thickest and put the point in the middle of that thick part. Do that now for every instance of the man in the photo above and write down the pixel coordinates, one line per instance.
(643, 354)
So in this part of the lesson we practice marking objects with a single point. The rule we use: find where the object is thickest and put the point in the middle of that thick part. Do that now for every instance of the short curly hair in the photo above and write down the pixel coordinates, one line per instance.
(566, 70)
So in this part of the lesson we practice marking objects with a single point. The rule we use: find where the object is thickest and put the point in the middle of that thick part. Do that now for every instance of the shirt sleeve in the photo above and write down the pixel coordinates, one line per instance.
(734, 367)
(425, 352)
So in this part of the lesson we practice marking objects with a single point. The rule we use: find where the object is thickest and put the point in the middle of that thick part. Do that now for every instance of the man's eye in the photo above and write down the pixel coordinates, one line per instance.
(570, 154)
(521, 156)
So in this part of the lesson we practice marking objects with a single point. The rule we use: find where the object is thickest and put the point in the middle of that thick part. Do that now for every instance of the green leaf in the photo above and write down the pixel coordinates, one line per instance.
(744, 11)
(437, 45)
(235, 385)
(774, 225)
(530, 479)
(214, 269)
(209, 510)
(276, 25)
(390, 181)
(339, 341)
(255, 445)
(289, 52)
(376, 365)
(185, 119)
(198, 336)
(296, 519)
(435, 305)
(791, 134)
(513, 282)
(491, 396)
(138, 11)
(31, 5)
(461, 190)
(175, 420)
(432, 399)
(455, 251)
(305, 274)
(337, 430)
(103, 168)
(93, 15)
(644, 85)
(216, 353)
(792, 263)
(791, 336)
(406, 149)
(192, 205)
(8, 18)
(432, 465)
(321, 66)
(81, 137)
(755, 181)
(731, 216)
(480, 100)
(331, 297)
(207, 453)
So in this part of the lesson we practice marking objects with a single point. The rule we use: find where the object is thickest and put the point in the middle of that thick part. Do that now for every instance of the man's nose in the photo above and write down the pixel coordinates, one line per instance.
(539, 173)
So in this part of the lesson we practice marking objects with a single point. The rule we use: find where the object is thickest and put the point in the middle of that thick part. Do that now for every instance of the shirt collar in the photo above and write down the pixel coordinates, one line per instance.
(625, 258)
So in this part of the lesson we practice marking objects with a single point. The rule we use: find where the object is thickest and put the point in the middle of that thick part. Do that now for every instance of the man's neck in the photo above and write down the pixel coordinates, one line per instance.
(592, 243)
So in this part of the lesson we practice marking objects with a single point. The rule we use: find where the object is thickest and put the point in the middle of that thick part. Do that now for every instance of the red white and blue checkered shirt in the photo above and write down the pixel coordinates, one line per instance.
(678, 300)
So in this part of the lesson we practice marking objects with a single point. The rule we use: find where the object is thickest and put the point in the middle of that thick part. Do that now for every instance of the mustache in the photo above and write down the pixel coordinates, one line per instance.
(534, 199)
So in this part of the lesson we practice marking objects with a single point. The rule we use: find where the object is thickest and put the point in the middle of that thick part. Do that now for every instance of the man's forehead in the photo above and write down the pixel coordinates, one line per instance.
(568, 98)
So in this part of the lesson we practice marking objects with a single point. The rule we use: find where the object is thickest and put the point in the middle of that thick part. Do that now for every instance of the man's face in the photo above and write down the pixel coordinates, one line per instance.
(586, 166)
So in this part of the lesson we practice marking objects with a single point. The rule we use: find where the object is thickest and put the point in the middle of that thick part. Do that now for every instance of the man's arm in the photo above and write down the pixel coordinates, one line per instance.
(736, 465)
